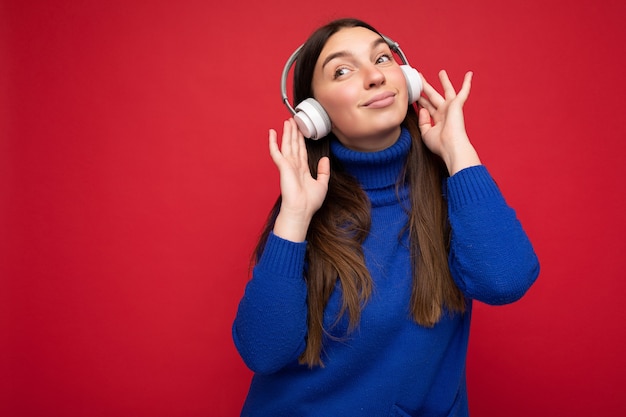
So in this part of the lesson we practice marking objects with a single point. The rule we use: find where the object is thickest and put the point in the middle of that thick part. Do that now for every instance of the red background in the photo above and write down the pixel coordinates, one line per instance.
(134, 179)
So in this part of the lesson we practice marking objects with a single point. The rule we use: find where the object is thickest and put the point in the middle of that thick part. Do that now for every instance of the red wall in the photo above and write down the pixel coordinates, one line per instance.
(134, 178)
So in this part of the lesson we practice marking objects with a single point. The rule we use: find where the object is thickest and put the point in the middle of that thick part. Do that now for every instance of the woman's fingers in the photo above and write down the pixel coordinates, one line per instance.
(287, 147)
(466, 87)
(291, 150)
(448, 88)
(435, 103)
(431, 94)
(426, 104)
(323, 171)
(298, 139)
(273, 144)
(292, 145)
(424, 121)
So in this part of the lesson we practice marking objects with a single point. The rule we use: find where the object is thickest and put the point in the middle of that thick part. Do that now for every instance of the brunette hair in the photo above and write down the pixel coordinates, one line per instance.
(338, 229)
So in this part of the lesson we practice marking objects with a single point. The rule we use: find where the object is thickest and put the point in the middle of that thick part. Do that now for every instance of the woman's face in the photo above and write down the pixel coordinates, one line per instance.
(362, 88)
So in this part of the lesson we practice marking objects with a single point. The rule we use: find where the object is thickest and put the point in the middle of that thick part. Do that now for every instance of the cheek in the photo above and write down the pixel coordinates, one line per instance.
(338, 101)
(399, 81)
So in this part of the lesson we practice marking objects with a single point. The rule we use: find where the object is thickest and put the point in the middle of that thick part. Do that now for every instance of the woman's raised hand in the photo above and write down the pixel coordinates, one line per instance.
(302, 195)
(442, 124)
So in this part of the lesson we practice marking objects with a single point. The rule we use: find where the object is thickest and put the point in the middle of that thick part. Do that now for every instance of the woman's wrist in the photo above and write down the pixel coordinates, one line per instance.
(463, 156)
(291, 227)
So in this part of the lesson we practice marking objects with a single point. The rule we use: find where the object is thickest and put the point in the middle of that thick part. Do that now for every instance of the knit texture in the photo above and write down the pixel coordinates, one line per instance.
(389, 366)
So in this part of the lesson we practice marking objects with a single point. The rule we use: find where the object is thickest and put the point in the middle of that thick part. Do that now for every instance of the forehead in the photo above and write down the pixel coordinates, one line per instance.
(350, 40)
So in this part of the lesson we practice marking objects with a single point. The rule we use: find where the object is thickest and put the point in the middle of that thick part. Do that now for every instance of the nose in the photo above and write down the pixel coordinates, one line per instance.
(373, 77)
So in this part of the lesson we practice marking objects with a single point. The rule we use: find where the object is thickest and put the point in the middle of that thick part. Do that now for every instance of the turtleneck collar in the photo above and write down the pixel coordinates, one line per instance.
(374, 170)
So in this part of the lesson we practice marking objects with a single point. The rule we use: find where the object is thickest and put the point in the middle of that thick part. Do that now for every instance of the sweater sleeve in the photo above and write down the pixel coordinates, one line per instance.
(491, 258)
(271, 322)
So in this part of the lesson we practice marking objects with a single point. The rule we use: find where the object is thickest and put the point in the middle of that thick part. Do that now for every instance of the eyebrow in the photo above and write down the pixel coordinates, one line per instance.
(341, 54)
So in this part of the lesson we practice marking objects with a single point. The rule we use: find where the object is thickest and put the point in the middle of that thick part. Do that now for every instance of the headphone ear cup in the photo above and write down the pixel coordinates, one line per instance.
(413, 82)
(312, 119)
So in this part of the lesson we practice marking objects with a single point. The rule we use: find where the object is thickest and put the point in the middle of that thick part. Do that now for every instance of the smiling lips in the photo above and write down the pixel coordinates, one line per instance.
(380, 100)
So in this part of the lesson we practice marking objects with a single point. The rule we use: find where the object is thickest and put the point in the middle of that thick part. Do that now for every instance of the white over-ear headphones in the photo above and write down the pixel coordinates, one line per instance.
(312, 119)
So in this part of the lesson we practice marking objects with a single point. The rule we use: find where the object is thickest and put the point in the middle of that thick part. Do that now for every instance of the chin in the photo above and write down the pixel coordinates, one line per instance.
(386, 125)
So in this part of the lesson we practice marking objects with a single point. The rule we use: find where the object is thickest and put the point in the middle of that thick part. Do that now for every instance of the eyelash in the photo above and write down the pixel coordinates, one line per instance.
(388, 58)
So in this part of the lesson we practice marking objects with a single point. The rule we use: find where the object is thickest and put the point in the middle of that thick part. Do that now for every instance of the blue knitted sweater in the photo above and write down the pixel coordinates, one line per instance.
(389, 366)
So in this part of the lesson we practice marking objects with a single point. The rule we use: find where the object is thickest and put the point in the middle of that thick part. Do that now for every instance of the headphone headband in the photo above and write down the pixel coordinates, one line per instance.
(283, 78)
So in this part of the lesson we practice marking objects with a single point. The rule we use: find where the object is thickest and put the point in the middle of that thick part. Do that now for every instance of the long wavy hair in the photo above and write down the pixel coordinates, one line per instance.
(338, 229)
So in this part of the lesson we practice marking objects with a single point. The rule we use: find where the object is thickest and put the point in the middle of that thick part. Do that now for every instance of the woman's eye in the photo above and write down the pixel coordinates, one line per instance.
(340, 72)
(383, 58)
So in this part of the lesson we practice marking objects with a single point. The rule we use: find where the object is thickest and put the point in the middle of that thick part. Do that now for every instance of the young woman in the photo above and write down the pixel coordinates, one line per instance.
(385, 231)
